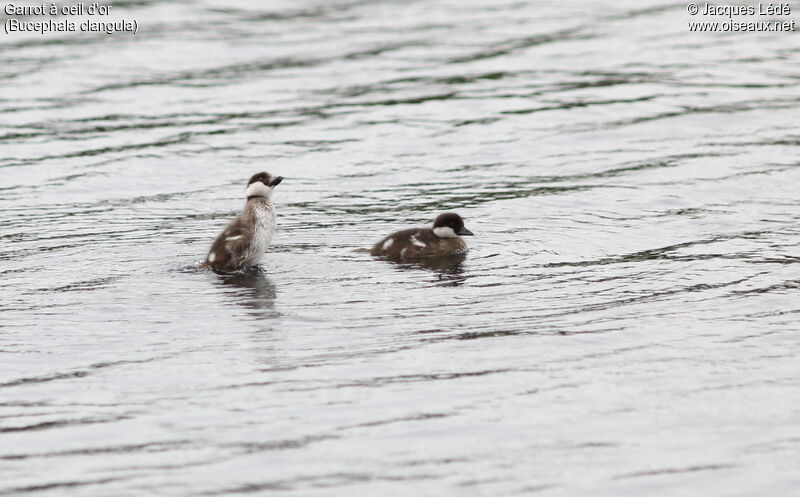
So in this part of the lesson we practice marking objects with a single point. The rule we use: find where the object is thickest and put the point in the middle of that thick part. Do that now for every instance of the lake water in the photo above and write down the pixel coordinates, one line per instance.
(625, 323)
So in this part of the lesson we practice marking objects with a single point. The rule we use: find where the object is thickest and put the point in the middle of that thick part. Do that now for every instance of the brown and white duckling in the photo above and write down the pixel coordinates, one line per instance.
(243, 243)
(443, 239)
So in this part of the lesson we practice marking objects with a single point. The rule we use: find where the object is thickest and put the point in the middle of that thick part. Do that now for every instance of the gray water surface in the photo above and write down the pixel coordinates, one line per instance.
(625, 323)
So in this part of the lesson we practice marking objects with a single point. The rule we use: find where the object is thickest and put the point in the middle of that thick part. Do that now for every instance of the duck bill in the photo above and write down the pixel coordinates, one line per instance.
(464, 232)
(276, 181)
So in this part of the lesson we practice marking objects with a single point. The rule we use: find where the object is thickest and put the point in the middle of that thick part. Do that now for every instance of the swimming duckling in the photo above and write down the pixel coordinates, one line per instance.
(443, 239)
(243, 243)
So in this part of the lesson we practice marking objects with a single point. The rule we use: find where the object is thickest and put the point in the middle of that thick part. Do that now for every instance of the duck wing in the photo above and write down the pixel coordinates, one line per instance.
(228, 245)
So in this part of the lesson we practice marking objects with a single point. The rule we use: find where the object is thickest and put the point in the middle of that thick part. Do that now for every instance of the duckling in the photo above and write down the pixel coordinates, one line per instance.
(443, 239)
(243, 243)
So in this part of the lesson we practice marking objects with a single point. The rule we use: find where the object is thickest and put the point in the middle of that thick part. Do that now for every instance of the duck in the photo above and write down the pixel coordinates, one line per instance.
(244, 241)
(442, 239)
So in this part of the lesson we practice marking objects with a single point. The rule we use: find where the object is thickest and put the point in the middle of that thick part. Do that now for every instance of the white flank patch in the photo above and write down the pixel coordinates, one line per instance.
(416, 242)
(444, 232)
(232, 238)
(403, 252)
(259, 189)
(388, 243)
(211, 257)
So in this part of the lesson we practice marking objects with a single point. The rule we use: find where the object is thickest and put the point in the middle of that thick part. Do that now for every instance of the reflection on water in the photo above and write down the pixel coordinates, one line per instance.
(630, 301)
(255, 290)
(448, 269)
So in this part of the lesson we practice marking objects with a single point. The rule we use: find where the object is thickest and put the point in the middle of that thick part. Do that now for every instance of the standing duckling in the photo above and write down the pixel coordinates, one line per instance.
(247, 237)
(442, 240)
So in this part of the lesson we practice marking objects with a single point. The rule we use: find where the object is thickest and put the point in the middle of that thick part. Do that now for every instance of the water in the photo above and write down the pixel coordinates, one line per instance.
(624, 324)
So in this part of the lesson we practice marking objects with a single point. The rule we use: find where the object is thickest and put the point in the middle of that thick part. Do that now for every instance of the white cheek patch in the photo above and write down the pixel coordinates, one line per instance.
(212, 257)
(259, 189)
(444, 232)
(416, 242)
(388, 243)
